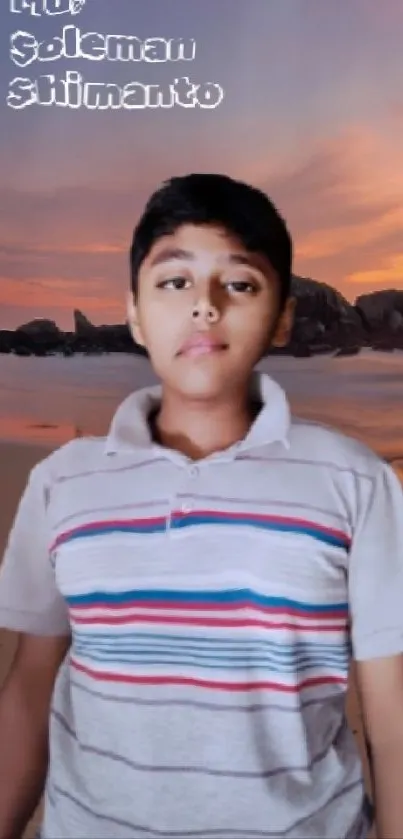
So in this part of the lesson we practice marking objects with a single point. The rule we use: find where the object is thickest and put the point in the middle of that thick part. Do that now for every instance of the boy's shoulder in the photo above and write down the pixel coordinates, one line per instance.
(77, 456)
(326, 445)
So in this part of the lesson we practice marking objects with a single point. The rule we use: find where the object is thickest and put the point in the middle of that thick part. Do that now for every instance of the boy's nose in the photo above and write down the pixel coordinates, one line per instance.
(207, 311)
(208, 302)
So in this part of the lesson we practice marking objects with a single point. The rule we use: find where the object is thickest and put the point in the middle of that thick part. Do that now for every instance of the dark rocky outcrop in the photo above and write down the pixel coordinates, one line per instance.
(38, 337)
(82, 326)
(325, 322)
(42, 337)
(7, 341)
(89, 338)
(382, 315)
(40, 327)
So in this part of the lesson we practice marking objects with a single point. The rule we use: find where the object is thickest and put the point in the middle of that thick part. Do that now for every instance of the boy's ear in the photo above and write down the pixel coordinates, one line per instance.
(133, 319)
(285, 324)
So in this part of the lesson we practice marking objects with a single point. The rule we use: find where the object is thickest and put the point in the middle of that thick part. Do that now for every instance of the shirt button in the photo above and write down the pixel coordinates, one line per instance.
(187, 507)
(194, 471)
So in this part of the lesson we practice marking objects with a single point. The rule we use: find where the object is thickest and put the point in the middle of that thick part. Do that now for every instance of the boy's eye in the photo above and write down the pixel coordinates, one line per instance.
(174, 282)
(241, 286)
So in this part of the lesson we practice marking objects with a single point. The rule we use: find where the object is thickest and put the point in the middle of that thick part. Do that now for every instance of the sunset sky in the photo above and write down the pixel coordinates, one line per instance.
(312, 113)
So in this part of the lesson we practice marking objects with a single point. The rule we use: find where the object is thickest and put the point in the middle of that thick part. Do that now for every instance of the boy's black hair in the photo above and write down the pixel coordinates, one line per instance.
(209, 199)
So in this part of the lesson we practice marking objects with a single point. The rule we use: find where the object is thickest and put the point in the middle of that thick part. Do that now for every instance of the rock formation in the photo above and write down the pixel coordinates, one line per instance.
(82, 326)
(382, 314)
(324, 319)
(38, 337)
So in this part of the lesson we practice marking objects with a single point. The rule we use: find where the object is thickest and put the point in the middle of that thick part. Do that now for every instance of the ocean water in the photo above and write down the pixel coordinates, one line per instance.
(53, 399)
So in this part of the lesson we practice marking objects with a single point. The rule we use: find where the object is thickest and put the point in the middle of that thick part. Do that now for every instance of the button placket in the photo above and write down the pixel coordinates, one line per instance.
(189, 505)
(186, 506)
(180, 478)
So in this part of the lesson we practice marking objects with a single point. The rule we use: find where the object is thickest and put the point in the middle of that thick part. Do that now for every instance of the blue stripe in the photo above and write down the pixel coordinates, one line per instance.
(234, 596)
(181, 657)
(102, 530)
(114, 644)
(282, 527)
(245, 664)
(193, 520)
(216, 642)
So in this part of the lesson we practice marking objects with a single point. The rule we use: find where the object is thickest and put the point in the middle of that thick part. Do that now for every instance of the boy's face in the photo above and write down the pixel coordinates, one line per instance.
(236, 297)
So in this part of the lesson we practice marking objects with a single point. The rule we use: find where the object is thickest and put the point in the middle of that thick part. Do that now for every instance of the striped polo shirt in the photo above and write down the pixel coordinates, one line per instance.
(214, 607)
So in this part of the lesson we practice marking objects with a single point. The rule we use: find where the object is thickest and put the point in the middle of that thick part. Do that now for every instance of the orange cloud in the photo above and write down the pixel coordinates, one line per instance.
(58, 293)
(62, 249)
(390, 273)
(343, 205)
(327, 243)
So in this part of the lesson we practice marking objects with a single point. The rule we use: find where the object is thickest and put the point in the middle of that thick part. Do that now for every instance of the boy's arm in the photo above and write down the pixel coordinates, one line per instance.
(376, 609)
(32, 605)
(380, 686)
(24, 720)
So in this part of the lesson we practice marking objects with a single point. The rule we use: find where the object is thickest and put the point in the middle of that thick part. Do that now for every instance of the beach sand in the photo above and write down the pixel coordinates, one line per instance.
(16, 461)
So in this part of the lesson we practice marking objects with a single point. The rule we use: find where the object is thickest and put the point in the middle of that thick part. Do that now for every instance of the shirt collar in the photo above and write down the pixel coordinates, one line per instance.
(130, 429)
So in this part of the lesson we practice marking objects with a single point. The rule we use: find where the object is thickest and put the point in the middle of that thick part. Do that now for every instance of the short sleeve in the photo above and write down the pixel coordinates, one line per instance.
(29, 598)
(376, 569)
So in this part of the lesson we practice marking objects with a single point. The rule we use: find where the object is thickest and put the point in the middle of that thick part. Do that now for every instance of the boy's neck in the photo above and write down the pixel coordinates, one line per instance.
(197, 429)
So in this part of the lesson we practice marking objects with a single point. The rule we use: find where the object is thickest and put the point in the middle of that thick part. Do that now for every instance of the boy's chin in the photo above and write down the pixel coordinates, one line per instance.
(202, 385)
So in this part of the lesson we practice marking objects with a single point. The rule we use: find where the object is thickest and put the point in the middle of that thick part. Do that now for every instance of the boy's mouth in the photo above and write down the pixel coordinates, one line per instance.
(201, 344)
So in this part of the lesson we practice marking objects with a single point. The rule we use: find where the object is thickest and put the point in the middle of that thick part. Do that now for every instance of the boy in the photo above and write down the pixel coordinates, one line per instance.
(188, 589)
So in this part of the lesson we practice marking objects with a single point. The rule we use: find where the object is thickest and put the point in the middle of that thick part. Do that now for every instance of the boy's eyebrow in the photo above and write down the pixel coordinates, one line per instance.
(168, 254)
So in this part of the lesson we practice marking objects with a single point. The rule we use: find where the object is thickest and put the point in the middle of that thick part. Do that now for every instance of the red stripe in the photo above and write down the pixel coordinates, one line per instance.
(264, 517)
(208, 513)
(170, 619)
(94, 525)
(205, 683)
(210, 607)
